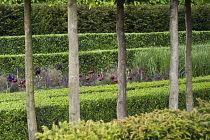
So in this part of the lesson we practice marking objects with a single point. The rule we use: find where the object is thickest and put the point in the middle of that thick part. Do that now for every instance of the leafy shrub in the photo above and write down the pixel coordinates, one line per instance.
(159, 124)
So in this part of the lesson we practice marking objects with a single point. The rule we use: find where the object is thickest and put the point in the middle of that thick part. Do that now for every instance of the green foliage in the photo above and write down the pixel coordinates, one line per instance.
(166, 2)
(159, 124)
(52, 19)
(57, 43)
(97, 103)
(99, 3)
(13, 124)
(204, 106)
(11, 21)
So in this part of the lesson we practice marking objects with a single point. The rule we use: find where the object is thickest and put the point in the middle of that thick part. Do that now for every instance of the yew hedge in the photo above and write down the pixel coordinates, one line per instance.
(52, 19)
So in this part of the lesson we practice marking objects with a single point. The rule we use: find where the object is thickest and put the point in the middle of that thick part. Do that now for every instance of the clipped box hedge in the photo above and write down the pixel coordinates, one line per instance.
(106, 60)
(88, 60)
(95, 41)
(52, 19)
(97, 103)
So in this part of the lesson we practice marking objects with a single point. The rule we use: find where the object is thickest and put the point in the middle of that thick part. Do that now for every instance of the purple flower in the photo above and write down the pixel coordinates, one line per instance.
(115, 81)
(37, 71)
(22, 82)
(100, 79)
(112, 77)
(142, 71)
(15, 80)
(10, 78)
(58, 66)
(156, 71)
(130, 78)
(20, 86)
(90, 72)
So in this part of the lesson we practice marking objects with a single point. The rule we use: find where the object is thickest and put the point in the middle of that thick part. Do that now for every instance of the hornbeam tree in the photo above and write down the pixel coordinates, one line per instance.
(74, 104)
(30, 103)
(121, 70)
(121, 102)
(174, 58)
(188, 58)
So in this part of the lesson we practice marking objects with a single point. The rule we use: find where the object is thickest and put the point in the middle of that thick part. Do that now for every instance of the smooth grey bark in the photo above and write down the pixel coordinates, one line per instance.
(174, 58)
(121, 102)
(30, 103)
(74, 103)
(188, 58)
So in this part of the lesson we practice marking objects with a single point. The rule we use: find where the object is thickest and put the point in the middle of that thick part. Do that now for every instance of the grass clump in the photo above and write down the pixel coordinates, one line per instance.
(159, 59)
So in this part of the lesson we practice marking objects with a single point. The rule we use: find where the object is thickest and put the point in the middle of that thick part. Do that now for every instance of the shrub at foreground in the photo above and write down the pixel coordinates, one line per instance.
(159, 125)
(13, 45)
(97, 103)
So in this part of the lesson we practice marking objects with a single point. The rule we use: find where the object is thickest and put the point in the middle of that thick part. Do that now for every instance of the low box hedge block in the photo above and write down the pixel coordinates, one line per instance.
(96, 104)
(102, 60)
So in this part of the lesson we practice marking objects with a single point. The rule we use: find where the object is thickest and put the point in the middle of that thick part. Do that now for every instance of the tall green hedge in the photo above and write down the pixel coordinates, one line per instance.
(97, 103)
(56, 43)
(52, 19)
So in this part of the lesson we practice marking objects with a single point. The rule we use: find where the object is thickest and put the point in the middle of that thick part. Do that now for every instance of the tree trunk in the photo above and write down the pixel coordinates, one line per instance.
(121, 103)
(174, 59)
(30, 103)
(188, 59)
(74, 104)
